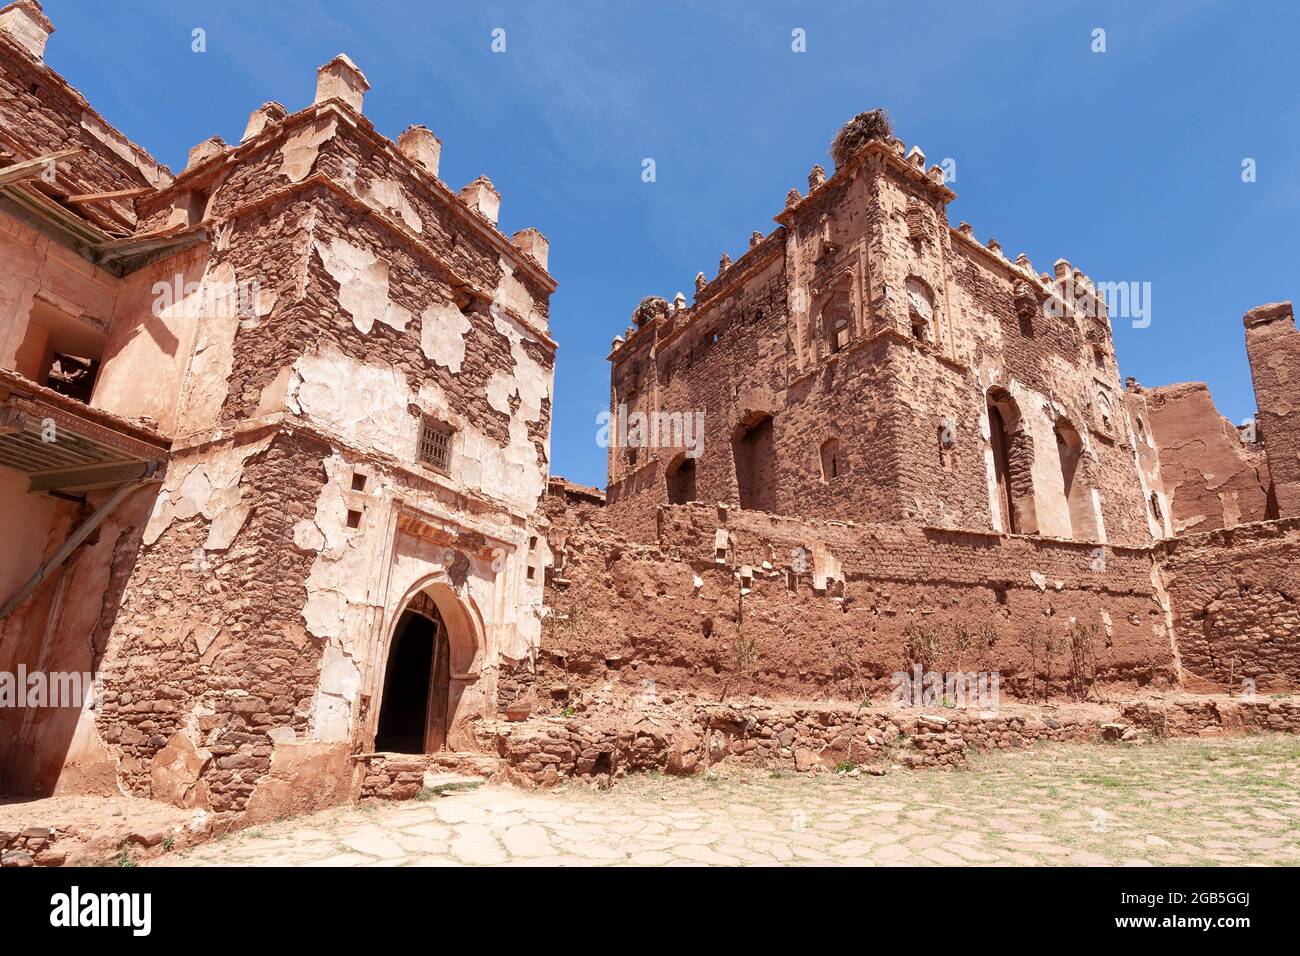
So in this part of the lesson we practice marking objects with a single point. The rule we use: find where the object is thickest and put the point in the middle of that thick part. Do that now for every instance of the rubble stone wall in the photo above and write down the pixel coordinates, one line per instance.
(690, 736)
(208, 660)
(1233, 594)
(31, 846)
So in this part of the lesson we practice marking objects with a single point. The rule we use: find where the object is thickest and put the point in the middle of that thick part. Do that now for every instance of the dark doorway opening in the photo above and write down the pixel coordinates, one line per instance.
(413, 715)
(681, 481)
(755, 466)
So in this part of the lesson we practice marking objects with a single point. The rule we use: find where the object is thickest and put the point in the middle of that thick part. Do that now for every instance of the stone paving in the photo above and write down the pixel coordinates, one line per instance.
(1222, 801)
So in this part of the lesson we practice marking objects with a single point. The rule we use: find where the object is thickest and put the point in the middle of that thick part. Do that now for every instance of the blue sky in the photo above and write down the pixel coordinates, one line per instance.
(1128, 163)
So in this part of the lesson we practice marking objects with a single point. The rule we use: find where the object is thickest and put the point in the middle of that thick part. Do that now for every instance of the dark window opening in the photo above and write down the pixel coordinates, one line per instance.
(840, 336)
(832, 459)
(197, 205)
(60, 351)
(354, 518)
(920, 308)
(358, 482)
(72, 376)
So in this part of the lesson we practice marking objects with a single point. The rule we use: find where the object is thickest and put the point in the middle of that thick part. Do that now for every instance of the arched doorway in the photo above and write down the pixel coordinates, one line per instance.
(413, 714)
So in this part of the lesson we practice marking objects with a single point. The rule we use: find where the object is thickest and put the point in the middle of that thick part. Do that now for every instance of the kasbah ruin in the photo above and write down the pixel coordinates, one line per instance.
(274, 470)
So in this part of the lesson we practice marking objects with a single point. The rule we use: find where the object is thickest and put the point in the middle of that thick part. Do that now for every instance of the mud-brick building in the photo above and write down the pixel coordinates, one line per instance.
(873, 442)
(868, 361)
(274, 432)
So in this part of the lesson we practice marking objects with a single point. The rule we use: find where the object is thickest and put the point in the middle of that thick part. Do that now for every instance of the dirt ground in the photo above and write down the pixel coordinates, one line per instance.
(1223, 801)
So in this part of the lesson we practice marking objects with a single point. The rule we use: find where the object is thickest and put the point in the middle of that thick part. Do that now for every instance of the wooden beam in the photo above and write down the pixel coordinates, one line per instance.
(12, 421)
(120, 194)
(68, 546)
(32, 168)
(89, 477)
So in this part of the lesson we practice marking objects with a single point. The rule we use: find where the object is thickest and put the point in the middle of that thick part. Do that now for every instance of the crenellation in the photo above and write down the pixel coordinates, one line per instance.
(482, 197)
(340, 79)
(268, 114)
(419, 145)
(200, 154)
(28, 25)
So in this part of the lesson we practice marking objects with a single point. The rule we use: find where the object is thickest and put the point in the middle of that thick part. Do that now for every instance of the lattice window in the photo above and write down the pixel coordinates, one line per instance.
(435, 443)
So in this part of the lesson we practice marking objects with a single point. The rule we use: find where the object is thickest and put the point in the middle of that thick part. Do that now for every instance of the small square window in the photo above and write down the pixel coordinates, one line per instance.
(354, 518)
(532, 543)
(435, 443)
(358, 482)
(532, 572)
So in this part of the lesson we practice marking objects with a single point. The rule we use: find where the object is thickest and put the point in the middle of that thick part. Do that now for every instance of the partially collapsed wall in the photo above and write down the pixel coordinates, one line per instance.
(1233, 594)
(1212, 477)
(1273, 346)
(730, 601)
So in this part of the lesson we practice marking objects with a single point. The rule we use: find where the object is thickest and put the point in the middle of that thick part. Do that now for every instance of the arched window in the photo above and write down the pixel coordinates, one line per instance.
(1103, 410)
(837, 316)
(1013, 464)
(920, 309)
(832, 459)
(1078, 496)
